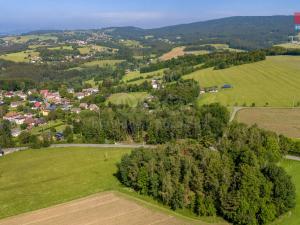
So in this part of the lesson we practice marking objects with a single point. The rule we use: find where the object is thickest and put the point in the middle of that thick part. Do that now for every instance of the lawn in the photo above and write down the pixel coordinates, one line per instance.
(46, 127)
(37, 179)
(20, 56)
(93, 48)
(280, 120)
(102, 63)
(289, 45)
(293, 217)
(274, 81)
(131, 99)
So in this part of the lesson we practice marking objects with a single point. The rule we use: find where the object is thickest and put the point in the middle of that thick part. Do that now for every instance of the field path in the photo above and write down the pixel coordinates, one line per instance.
(106, 208)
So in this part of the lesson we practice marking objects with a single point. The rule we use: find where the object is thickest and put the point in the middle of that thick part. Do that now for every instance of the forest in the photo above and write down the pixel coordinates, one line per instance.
(238, 178)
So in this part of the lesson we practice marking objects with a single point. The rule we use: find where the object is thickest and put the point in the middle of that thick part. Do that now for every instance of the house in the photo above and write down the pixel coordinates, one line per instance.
(30, 122)
(19, 120)
(15, 132)
(9, 94)
(15, 104)
(70, 90)
(44, 93)
(202, 91)
(31, 91)
(37, 105)
(83, 106)
(11, 116)
(94, 108)
(155, 84)
(45, 112)
(76, 110)
(79, 95)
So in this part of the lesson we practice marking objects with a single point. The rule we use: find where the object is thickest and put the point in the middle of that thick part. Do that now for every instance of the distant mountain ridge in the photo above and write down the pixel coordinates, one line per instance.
(248, 32)
(243, 32)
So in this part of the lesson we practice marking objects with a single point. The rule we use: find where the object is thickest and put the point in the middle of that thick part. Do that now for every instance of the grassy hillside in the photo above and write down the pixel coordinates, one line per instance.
(274, 81)
(19, 56)
(131, 99)
(145, 76)
(102, 63)
(37, 179)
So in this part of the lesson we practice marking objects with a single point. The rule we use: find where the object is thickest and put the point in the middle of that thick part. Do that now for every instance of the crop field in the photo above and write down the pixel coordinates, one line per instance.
(281, 121)
(102, 63)
(23, 56)
(136, 74)
(292, 218)
(290, 45)
(174, 53)
(107, 208)
(131, 99)
(273, 82)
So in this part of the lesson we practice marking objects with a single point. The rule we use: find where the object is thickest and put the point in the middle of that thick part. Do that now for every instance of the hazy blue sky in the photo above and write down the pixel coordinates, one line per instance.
(67, 14)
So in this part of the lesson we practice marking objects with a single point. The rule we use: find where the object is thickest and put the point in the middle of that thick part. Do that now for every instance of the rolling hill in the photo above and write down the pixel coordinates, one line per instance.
(248, 32)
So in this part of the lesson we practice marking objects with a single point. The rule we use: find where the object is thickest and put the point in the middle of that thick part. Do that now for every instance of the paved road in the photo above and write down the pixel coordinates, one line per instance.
(291, 157)
(12, 150)
(117, 145)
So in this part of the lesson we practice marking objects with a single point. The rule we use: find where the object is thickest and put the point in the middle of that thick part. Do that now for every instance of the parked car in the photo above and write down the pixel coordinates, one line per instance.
(1, 152)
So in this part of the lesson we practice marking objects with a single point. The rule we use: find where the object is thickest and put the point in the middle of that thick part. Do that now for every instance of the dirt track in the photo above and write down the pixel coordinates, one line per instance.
(108, 209)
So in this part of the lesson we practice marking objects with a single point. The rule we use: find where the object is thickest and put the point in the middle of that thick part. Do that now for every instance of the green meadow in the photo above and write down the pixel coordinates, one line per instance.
(273, 81)
(35, 179)
(131, 99)
(23, 56)
(102, 63)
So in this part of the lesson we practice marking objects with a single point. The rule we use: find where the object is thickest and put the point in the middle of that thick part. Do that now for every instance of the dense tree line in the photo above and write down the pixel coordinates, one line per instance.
(218, 60)
(237, 179)
(154, 127)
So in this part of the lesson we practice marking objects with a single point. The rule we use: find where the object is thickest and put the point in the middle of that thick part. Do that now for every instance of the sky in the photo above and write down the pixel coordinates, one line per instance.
(26, 15)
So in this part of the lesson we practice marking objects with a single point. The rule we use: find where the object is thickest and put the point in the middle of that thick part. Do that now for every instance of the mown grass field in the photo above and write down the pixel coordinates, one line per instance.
(102, 63)
(293, 217)
(20, 56)
(136, 74)
(37, 179)
(289, 45)
(131, 99)
(64, 47)
(280, 120)
(274, 81)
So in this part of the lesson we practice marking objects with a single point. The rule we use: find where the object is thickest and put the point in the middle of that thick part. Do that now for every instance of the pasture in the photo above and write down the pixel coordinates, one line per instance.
(130, 99)
(94, 48)
(19, 57)
(273, 82)
(280, 120)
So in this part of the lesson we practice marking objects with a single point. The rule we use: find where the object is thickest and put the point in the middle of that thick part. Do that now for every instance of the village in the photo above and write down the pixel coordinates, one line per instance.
(27, 110)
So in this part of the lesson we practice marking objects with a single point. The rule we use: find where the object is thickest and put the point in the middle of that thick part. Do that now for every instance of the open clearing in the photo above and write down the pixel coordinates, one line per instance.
(106, 208)
(174, 53)
(131, 99)
(26, 38)
(281, 121)
(274, 81)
